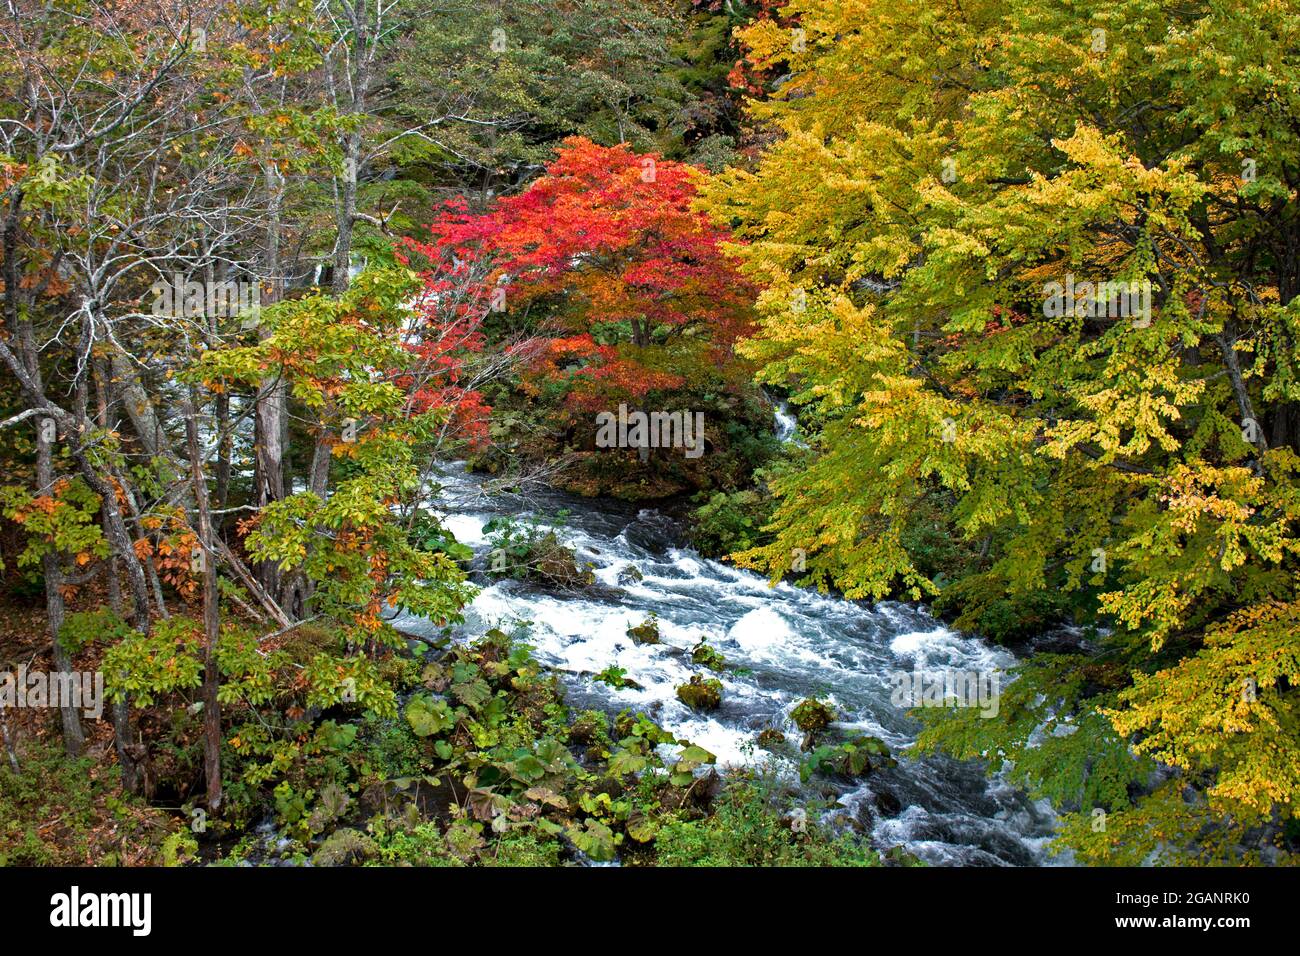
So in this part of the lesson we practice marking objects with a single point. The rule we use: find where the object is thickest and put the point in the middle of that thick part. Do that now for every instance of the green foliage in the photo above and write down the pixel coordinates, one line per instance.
(616, 677)
(981, 603)
(428, 716)
(530, 548)
(812, 715)
(427, 533)
(147, 667)
(1053, 742)
(747, 829)
(60, 523)
(851, 759)
(179, 849)
(535, 81)
(83, 628)
(325, 349)
(1169, 827)
(708, 656)
(728, 522)
(59, 812)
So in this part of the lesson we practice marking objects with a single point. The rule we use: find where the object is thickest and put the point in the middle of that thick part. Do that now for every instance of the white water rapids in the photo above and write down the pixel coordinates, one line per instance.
(782, 644)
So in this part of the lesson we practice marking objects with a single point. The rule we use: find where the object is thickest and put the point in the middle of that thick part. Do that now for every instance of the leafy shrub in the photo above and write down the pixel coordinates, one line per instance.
(728, 522)
(748, 829)
(63, 812)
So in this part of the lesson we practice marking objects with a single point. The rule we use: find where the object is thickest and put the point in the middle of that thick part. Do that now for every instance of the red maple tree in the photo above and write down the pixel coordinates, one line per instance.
(609, 241)
(448, 341)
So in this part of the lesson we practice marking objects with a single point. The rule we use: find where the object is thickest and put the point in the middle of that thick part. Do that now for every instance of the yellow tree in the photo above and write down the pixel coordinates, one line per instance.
(1032, 268)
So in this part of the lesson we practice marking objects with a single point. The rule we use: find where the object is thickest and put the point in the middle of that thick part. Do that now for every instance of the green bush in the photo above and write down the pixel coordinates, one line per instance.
(728, 522)
(748, 829)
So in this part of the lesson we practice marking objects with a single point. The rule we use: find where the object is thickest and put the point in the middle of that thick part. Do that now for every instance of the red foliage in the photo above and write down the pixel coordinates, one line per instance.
(447, 338)
(606, 236)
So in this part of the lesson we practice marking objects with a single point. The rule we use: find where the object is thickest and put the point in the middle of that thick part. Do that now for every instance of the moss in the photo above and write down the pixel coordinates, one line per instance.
(701, 693)
(647, 632)
(707, 656)
(305, 641)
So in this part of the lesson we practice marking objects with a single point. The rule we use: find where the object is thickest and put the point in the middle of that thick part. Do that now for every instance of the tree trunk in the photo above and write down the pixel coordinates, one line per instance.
(144, 418)
(271, 415)
(211, 618)
(8, 741)
(129, 753)
(74, 738)
(347, 211)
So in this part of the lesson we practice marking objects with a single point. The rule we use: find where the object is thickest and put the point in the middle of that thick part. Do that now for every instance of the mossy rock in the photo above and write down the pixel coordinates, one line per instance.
(307, 640)
(898, 856)
(811, 715)
(771, 739)
(647, 632)
(630, 575)
(346, 847)
(588, 727)
(708, 656)
(701, 693)
(557, 565)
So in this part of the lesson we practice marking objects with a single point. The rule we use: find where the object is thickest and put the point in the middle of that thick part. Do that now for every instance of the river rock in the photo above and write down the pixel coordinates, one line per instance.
(647, 632)
(701, 694)
(811, 715)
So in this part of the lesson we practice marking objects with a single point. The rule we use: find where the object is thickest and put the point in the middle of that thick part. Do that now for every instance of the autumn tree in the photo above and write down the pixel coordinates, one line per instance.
(608, 249)
(943, 173)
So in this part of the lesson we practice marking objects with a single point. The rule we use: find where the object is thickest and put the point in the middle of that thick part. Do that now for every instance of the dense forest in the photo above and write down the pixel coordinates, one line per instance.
(663, 432)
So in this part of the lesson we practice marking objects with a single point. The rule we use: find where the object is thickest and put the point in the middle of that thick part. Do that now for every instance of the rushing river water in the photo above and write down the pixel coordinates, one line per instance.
(782, 644)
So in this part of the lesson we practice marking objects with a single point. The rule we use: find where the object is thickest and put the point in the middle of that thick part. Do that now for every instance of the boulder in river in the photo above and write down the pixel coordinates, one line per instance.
(708, 656)
(588, 727)
(811, 715)
(558, 566)
(701, 693)
(647, 632)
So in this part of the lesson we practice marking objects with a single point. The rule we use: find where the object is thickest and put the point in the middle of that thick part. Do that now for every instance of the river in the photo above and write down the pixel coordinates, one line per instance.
(782, 643)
